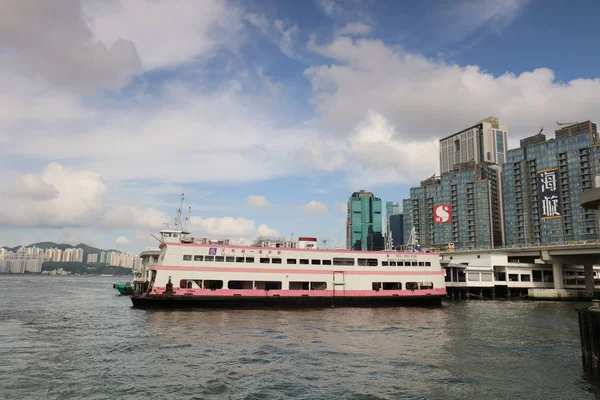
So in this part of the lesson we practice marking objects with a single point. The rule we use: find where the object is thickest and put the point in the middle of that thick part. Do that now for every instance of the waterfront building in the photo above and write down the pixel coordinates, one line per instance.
(57, 255)
(396, 222)
(102, 257)
(459, 209)
(364, 222)
(483, 142)
(543, 181)
(92, 258)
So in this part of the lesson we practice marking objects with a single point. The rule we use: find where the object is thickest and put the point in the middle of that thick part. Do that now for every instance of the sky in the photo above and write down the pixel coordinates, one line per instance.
(266, 114)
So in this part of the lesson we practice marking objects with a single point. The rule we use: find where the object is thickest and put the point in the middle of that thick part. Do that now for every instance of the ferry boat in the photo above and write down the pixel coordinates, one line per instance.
(208, 273)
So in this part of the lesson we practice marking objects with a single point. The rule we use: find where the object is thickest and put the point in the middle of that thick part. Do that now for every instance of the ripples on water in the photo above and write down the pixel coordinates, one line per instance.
(74, 337)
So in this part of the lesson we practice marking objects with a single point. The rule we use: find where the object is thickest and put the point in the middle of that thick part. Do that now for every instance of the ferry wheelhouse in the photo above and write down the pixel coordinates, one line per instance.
(207, 273)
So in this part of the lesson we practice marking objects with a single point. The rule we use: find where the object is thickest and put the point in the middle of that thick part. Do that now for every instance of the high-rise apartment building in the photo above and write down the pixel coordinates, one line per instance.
(461, 209)
(543, 181)
(364, 222)
(483, 142)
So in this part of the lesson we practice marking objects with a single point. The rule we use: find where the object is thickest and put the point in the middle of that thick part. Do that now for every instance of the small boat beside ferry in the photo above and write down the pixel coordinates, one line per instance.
(205, 273)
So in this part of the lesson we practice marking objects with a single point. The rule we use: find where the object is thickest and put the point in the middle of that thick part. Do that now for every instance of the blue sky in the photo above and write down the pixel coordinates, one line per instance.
(267, 114)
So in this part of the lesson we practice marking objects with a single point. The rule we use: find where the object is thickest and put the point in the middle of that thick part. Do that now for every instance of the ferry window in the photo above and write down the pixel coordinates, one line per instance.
(167, 235)
(219, 258)
(525, 278)
(384, 263)
(343, 261)
(392, 285)
(371, 262)
(276, 261)
(513, 277)
(537, 275)
(318, 286)
(198, 258)
(249, 259)
(299, 285)
(315, 262)
(473, 276)
(209, 258)
(412, 286)
(547, 275)
(326, 262)
(185, 284)
(376, 286)
(240, 285)
(267, 285)
(427, 263)
(229, 259)
(213, 285)
(187, 257)
(421, 264)
(400, 263)
(198, 282)
(265, 260)
(414, 263)
(426, 285)
(291, 261)
(239, 259)
(392, 263)
(303, 261)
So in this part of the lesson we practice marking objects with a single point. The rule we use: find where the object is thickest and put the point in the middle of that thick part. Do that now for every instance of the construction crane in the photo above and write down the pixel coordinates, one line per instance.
(541, 130)
(566, 123)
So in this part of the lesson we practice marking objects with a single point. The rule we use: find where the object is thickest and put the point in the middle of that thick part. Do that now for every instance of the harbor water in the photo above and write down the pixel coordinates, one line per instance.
(75, 338)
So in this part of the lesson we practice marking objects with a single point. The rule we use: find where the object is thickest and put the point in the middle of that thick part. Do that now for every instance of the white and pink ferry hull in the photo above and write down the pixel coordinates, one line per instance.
(209, 276)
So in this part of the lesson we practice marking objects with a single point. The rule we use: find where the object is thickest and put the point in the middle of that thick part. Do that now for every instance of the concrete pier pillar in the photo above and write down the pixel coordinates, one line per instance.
(588, 269)
(589, 330)
(557, 275)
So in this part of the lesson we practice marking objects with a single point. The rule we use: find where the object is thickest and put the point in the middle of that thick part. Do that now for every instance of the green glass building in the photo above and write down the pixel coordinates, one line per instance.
(364, 222)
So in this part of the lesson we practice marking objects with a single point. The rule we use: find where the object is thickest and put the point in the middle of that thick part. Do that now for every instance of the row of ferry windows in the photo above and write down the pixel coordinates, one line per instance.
(371, 262)
(304, 285)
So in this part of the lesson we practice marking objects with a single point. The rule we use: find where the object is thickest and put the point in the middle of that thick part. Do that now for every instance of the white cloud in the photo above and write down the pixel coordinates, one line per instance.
(237, 229)
(122, 241)
(79, 199)
(281, 34)
(124, 216)
(62, 49)
(314, 208)
(167, 33)
(34, 187)
(354, 29)
(62, 197)
(391, 107)
(258, 202)
(342, 207)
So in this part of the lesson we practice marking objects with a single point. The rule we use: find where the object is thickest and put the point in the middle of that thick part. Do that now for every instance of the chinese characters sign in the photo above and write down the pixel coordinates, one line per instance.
(442, 214)
(548, 195)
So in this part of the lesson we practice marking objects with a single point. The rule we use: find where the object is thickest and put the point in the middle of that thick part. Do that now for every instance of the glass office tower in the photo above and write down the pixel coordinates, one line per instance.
(364, 222)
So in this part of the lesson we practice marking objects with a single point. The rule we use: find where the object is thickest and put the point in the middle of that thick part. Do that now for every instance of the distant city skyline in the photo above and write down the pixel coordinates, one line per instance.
(267, 115)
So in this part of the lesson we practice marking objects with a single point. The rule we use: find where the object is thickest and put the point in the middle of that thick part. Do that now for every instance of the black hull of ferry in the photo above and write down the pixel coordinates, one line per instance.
(234, 302)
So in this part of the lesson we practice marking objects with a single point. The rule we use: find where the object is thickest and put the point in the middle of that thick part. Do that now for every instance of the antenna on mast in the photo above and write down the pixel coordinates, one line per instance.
(178, 224)
(187, 219)
(325, 240)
